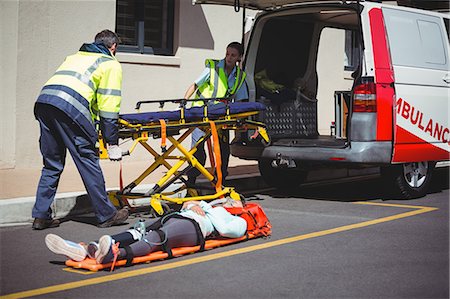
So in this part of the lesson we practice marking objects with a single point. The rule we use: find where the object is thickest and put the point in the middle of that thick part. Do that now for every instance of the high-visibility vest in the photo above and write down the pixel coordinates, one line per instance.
(86, 86)
(217, 86)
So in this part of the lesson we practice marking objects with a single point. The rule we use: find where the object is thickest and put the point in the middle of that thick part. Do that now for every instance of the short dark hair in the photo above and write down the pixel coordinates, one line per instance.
(107, 37)
(238, 46)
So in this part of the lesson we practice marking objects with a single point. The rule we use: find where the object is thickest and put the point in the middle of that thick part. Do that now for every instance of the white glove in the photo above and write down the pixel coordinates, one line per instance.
(114, 153)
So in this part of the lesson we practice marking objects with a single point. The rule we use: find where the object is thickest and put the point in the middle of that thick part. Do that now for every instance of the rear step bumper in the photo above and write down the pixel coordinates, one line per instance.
(358, 152)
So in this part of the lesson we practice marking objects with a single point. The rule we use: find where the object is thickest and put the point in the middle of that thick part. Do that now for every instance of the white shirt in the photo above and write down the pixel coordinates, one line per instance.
(217, 218)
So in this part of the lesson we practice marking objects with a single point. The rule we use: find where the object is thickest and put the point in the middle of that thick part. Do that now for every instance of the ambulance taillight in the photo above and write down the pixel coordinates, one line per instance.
(365, 97)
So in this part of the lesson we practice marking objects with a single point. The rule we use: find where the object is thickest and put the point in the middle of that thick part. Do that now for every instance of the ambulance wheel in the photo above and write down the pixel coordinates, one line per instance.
(409, 180)
(281, 178)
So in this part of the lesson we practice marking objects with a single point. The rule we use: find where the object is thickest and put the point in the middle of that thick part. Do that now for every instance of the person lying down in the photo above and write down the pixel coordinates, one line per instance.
(179, 230)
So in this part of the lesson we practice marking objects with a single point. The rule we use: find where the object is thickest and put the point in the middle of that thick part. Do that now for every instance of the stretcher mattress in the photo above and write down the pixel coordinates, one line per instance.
(192, 114)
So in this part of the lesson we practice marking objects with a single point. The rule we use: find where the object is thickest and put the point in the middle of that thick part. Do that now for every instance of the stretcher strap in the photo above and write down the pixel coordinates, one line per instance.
(115, 250)
(211, 153)
(255, 135)
(120, 177)
(218, 155)
(163, 134)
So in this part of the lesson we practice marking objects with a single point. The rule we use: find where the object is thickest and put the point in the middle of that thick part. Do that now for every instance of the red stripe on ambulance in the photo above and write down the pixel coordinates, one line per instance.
(384, 75)
(409, 147)
(418, 120)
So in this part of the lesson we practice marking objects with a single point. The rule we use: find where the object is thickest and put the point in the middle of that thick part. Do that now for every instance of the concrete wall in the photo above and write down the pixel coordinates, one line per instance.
(8, 73)
(37, 35)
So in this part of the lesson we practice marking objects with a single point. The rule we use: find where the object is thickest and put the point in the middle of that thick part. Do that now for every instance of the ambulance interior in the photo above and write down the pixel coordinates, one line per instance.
(303, 68)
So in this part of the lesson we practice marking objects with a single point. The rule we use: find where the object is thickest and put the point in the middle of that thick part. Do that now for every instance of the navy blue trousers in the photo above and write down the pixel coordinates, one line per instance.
(59, 134)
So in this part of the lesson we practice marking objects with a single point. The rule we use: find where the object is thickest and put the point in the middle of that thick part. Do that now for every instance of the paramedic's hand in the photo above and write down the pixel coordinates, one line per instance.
(114, 153)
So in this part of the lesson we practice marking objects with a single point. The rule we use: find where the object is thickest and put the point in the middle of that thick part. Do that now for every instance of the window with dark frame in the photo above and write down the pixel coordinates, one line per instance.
(145, 26)
(351, 51)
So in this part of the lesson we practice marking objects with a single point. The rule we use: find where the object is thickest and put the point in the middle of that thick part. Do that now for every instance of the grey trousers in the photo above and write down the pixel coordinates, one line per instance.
(179, 233)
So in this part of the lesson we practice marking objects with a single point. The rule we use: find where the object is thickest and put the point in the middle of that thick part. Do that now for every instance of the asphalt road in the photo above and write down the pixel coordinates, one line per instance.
(329, 241)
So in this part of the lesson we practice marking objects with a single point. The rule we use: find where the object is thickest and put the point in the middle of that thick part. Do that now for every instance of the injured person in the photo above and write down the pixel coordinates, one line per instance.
(196, 221)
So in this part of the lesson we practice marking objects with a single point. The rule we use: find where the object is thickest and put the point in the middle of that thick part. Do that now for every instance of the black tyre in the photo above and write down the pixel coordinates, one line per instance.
(279, 177)
(409, 180)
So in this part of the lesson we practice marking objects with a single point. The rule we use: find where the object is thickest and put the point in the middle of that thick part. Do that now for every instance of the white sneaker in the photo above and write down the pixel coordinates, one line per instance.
(92, 249)
(72, 250)
(105, 253)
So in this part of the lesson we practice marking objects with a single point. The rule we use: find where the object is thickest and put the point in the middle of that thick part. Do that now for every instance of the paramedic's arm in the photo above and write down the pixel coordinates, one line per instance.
(190, 91)
(204, 76)
(242, 93)
(109, 99)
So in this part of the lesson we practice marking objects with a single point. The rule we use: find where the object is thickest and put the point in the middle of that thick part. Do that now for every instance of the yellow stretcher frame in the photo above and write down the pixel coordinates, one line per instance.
(140, 133)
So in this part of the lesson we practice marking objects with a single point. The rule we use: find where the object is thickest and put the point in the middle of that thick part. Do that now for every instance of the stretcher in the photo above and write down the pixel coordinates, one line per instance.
(173, 127)
(258, 225)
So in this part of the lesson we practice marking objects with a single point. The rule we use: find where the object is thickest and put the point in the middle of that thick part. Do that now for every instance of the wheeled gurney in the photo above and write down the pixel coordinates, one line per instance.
(174, 127)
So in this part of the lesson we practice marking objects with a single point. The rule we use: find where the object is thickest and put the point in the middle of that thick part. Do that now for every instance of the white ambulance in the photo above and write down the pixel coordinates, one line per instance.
(349, 84)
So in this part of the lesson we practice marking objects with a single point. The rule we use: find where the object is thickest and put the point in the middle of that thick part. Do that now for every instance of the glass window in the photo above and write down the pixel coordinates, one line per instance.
(415, 40)
(431, 38)
(351, 58)
(145, 26)
(447, 28)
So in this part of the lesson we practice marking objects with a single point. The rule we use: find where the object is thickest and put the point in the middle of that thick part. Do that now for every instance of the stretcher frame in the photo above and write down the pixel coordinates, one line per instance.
(92, 265)
(167, 130)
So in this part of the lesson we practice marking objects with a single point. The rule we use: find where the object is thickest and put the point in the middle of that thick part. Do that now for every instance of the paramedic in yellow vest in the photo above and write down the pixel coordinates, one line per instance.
(84, 91)
(220, 79)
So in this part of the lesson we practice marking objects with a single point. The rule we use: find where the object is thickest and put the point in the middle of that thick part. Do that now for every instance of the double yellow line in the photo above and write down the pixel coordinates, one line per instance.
(416, 210)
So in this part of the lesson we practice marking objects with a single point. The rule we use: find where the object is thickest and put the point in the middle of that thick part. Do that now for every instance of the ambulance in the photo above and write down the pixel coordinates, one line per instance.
(348, 84)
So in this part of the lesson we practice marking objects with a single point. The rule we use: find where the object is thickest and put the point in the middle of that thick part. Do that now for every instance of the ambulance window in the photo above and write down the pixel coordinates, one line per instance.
(351, 51)
(447, 25)
(415, 40)
(431, 38)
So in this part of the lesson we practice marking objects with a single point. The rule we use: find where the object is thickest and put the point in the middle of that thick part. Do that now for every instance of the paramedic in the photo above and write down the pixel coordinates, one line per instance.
(84, 91)
(195, 217)
(220, 79)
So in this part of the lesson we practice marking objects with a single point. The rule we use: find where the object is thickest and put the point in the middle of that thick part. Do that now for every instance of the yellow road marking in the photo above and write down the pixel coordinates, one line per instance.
(124, 275)
(83, 272)
(391, 205)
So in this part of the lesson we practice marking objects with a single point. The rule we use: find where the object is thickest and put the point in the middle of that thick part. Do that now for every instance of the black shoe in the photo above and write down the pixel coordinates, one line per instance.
(41, 223)
(118, 218)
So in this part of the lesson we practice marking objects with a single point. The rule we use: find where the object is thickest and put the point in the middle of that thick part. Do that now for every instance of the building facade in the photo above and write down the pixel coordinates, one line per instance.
(36, 35)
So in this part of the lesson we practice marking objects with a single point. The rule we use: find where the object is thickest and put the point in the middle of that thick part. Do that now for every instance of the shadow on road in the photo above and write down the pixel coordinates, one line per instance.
(357, 190)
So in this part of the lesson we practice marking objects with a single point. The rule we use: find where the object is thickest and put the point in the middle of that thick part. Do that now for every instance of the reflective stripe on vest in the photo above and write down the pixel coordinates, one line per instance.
(240, 77)
(86, 77)
(112, 92)
(71, 100)
(217, 87)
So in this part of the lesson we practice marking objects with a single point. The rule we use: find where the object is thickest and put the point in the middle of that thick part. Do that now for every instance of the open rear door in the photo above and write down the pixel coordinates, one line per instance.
(254, 4)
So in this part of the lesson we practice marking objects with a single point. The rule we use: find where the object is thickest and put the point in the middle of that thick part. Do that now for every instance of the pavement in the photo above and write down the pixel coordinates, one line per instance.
(18, 186)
